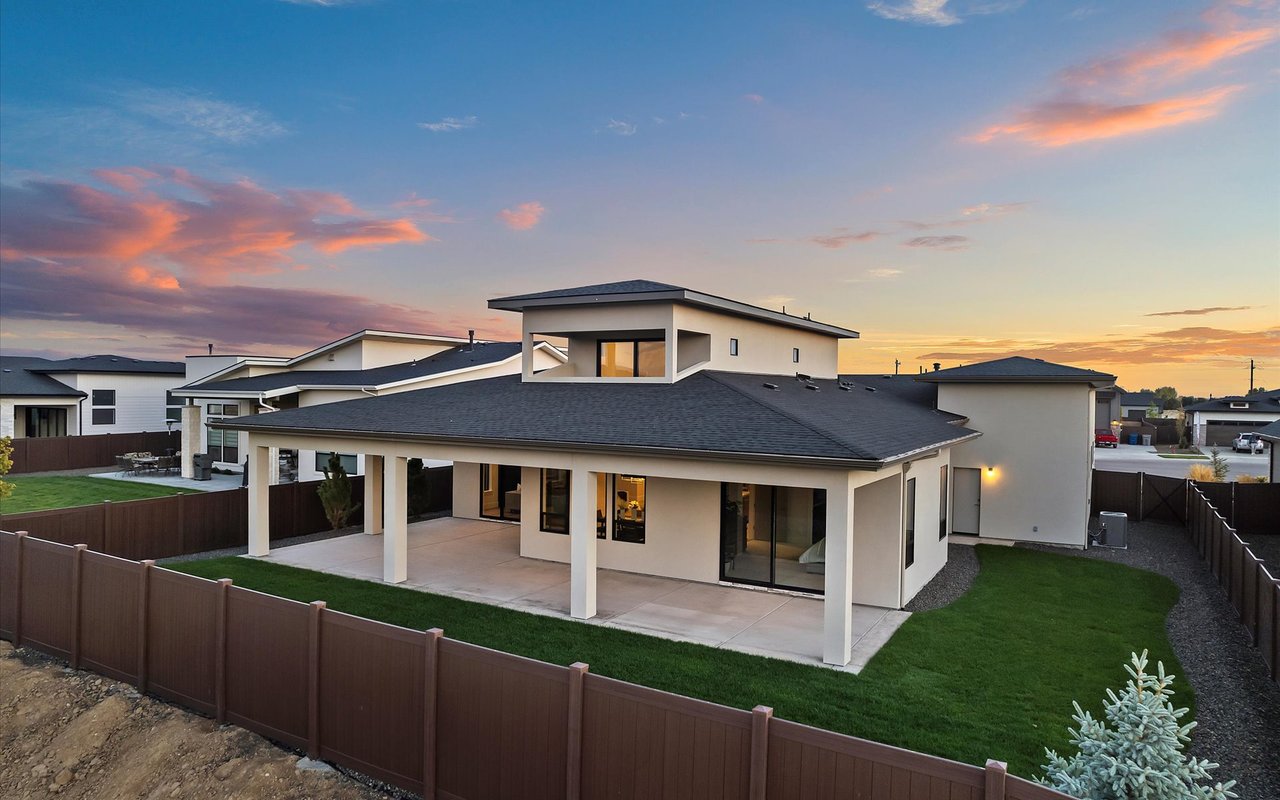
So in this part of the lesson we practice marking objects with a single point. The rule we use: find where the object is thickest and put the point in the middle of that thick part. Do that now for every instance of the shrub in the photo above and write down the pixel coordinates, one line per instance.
(1219, 465)
(6, 464)
(1251, 479)
(1137, 752)
(1201, 472)
(335, 494)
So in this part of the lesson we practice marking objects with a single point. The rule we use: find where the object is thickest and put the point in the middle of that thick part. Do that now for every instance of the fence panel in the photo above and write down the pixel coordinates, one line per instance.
(1257, 508)
(214, 520)
(1269, 621)
(1164, 498)
(46, 591)
(145, 528)
(1116, 491)
(267, 665)
(181, 646)
(8, 583)
(513, 710)
(808, 763)
(110, 593)
(78, 525)
(639, 742)
(50, 454)
(371, 698)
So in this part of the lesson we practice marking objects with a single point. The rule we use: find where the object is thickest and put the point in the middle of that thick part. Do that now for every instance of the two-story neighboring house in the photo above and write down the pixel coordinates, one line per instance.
(364, 364)
(86, 396)
(1216, 422)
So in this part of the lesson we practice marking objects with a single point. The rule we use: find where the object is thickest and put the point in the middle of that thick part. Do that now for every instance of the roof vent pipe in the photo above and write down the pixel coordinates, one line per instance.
(471, 340)
(211, 348)
(936, 366)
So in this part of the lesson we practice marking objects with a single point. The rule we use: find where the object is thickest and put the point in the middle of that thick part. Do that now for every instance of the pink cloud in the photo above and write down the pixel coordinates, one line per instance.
(1177, 55)
(522, 217)
(753, 98)
(839, 240)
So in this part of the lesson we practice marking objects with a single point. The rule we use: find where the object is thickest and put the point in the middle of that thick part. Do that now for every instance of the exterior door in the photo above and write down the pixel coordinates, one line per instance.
(966, 500)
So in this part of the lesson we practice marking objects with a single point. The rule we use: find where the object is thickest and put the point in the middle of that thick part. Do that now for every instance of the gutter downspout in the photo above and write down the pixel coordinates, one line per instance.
(80, 417)
(371, 393)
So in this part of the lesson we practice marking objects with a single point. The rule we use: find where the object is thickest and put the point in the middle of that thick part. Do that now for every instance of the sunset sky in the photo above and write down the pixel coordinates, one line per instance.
(1091, 182)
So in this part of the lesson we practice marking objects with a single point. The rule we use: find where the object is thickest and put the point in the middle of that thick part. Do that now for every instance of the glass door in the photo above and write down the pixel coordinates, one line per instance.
(773, 536)
(500, 492)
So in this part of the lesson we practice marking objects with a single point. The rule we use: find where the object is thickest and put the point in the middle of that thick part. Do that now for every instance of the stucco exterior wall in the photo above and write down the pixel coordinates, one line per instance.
(762, 347)
(1038, 438)
(877, 543)
(931, 552)
(140, 400)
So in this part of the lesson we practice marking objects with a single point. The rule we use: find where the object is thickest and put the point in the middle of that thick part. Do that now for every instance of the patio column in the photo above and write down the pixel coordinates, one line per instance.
(395, 512)
(372, 493)
(259, 501)
(190, 442)
(837, 611)
(582, 544)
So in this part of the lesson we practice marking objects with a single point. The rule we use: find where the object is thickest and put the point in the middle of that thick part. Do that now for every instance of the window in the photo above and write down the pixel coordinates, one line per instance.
(633, 358)
(173, 414)
(43, 422)
(909, 522)
(348, 461)
(795, 355)
(555, 501)
(942, 502)
(104, 416)
(733, 347)
(628, 508)
(104, 397)
(103, 402)
(224, 446)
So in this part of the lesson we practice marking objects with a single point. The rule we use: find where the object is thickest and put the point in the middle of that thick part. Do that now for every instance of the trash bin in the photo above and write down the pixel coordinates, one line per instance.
(1133, 438)
(1115, 529)
(202, 467)
(1146, 440)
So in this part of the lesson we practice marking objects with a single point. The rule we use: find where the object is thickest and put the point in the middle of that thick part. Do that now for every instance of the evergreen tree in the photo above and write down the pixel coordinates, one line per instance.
(1136, 754)
(335, 494)
(1219, 465)
(6, 464)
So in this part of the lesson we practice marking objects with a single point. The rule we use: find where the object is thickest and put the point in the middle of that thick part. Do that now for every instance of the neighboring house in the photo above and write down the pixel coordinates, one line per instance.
(1271, 434)
(367, 363)
(1216, 422)
(696, 437)
(1135, 405)
(86, 396)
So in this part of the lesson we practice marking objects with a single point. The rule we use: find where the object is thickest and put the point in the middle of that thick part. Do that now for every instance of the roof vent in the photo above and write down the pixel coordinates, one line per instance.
(846, 387)
(772, 386)
(813, 387)
(800, 376)
(869, 388)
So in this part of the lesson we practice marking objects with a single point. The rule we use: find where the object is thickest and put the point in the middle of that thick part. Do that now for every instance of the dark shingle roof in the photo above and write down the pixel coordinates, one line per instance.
(1016, 369)
(1138, 399)
(447, 361)
(617, 287)
(711, 413)
(1271, 432)
(17, 379)
(903, 386)
(110, 363)
(1258, 402)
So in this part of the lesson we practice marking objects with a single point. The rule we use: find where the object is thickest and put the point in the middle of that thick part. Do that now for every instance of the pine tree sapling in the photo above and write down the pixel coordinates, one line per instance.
(1136, 754)
(1219, 465)
(335, 494)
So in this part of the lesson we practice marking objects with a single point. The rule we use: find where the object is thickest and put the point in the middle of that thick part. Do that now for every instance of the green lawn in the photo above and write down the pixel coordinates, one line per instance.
(39, 494)
(991, 676)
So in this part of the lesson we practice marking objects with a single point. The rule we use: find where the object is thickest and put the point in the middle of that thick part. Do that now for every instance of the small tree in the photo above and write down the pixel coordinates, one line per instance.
(335, 494)
(1136, 754)
(1219, 465)
(6, 464)
(1153, 411)
(1180, 425)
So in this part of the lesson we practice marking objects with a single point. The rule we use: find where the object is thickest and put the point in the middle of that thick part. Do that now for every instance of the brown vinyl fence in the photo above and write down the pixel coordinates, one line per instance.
(433, 715)
(1251, 508)
(49, 454)
(164, 527)
(1253, 591)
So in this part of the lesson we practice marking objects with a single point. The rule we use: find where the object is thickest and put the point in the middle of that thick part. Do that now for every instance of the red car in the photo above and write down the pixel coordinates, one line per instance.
(1103, 437)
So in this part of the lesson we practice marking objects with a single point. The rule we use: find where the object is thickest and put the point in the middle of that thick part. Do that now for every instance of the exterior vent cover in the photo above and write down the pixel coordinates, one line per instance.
(772, 386)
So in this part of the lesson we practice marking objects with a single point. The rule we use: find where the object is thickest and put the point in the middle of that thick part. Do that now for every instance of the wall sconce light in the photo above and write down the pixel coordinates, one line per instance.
(991, 471)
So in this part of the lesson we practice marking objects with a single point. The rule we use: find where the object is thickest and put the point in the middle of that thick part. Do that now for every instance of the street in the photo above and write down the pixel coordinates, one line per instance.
(1138, 458)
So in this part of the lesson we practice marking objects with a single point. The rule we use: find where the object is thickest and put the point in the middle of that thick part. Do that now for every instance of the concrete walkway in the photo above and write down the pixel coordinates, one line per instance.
(480, 561)
(217, 483)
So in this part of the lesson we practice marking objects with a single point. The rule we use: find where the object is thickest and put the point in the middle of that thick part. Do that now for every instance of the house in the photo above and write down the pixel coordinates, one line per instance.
(691, 436)
(366, 363)
(1271, 434)
(1135, 405)
(85, 396)
(1216, 422)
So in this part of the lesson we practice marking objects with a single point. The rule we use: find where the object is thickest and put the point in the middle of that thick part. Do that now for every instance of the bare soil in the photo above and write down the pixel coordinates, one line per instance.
(79, 735)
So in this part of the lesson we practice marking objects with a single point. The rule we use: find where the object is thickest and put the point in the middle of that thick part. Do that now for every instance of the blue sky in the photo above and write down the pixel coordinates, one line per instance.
(1080, 181)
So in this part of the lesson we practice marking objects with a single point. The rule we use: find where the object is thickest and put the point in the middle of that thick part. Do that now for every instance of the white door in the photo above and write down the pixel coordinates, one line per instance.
(966, 500)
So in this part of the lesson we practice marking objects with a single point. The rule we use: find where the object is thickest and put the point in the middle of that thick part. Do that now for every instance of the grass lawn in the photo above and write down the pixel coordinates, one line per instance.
(991, 676)
(1182, 455)
(39, 494)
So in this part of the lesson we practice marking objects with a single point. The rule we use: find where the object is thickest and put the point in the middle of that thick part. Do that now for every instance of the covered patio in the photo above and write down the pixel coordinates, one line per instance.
(480, 560)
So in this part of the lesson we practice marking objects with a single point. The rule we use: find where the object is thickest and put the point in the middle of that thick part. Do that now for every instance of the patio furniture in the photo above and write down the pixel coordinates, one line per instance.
(125, 465)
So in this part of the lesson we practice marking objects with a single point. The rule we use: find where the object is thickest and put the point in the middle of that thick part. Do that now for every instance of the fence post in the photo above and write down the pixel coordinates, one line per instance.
(430, 711)
(17, 587)
(573, 760)
(996, 773)
(144, 609)
(759, 778)
(77, 567)
(1142, 484)
(313, 681)
(220, 657)
(106, 528)
(182, 526)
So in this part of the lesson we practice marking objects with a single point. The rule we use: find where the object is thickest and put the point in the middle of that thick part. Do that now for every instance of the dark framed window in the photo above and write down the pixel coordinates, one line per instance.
(104, 416)
(795, 355)
(629, 506)
(631, 358)
(43, 422)
(104, 397)
(554, 510)
(348, 461)
(224, 446)
(909, 522)
(173, 414)
(942, 502)
(733, 347)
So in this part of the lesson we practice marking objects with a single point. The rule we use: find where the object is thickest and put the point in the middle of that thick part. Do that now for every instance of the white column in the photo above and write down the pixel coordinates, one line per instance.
(837, 613)
(259, 501)
(582, 544)
(273, 465)
(191, 424)
(526, 354)
(395, 513)
(372, 494)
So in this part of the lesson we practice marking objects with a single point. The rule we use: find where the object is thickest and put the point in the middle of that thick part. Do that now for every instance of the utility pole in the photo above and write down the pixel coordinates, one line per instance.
(1251, 376)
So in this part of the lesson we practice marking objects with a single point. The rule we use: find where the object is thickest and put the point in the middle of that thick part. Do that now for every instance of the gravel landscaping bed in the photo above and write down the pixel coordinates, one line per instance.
(1237, 704)
(952, 581)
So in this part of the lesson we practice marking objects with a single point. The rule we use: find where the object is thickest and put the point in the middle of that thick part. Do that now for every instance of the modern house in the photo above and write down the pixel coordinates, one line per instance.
(1135, 405)
(85, 396)
(691, 436)
(1216, 422)
(366, 363)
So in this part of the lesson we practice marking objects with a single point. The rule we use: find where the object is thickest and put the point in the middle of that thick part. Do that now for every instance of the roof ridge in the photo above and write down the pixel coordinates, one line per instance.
(786, 414)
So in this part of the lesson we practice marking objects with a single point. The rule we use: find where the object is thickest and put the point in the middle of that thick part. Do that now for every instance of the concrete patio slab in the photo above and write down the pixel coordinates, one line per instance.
(216, 483)
(480, 560)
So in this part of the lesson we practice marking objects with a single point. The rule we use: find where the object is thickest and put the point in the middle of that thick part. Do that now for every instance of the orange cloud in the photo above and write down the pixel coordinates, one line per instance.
(1178, 346)
(156, 279)
(1176, 56)
(1062, 123)
(522, 217)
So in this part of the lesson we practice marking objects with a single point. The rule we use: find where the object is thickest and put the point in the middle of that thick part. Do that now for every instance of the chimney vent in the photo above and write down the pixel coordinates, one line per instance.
(471, 340)
(211, 348)
(936, 366)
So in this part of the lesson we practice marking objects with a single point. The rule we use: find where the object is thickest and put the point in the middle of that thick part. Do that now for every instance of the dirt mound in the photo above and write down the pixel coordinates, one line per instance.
(76, 734)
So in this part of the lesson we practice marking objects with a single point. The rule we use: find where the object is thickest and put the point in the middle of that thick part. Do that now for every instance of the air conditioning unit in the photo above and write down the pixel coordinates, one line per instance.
(1113, 530)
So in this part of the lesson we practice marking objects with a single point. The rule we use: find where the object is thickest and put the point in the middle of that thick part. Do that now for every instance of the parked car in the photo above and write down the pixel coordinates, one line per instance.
(1103, 437)
(1248, 443)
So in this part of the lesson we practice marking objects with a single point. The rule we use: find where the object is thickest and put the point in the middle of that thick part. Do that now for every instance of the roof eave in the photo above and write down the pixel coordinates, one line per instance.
(1097, 383)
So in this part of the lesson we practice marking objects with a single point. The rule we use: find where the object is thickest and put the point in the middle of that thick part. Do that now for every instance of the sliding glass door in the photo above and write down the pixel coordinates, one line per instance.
(500, 492)
(773, 536)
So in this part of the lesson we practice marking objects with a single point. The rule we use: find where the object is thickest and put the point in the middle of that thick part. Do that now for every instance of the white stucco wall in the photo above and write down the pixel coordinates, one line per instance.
(877, 543)
(762, 347)
(931, 552)
(1038, 438)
